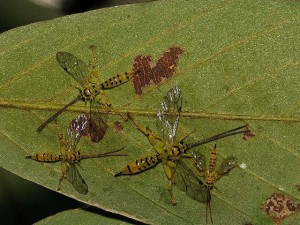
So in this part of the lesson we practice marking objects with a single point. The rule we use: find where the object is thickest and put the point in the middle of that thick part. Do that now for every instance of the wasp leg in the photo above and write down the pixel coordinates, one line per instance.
(124, 117)
(182, 139)
(169, 168)
(153, 139)
(138, 126)
(104, 101)
(64, 169)
(94, 57)
(62, 141)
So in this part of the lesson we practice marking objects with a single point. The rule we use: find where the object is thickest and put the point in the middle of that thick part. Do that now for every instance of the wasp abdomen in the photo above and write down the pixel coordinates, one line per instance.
(45, 157)
(116, 80)
(139, 165)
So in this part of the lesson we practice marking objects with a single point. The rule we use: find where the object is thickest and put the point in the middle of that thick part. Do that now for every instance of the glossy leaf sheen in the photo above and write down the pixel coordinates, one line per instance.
(241, 64)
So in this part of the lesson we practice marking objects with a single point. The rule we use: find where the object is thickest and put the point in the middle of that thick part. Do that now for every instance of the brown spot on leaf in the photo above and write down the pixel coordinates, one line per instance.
(118, 126)
(279, 206)
(248, 134)
(147, 72)
(298, 187)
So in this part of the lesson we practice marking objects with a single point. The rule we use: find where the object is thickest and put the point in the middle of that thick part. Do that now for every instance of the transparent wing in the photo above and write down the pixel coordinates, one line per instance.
(76, 129)
(228, 164)
(199, 161)
(74, 177)
(97, 123)
(189, 182)
(168, 115)
(78, 69)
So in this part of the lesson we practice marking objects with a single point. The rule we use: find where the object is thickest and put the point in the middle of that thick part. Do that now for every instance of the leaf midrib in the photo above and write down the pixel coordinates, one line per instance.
(30, 105)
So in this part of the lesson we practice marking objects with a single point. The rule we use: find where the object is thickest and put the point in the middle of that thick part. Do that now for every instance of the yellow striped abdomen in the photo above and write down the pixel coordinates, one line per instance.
(210, 175)
(139, 165)
(116, 80)
(45, 157)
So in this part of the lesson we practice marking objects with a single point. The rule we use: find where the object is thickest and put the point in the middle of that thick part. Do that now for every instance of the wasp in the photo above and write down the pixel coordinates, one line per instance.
(168, 149)
(89, 85)
(69, 156)
(199, 183)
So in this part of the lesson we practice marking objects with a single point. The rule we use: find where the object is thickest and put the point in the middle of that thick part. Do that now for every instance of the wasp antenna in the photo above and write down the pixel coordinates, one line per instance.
(117, 150)
(118, 174)
(130, 116)
(235, 131)
(55, 115)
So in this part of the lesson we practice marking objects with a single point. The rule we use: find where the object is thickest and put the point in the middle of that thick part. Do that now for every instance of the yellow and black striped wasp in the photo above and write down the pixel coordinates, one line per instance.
(90, 88)
(168, 149)
(199, 183)
(70, 156)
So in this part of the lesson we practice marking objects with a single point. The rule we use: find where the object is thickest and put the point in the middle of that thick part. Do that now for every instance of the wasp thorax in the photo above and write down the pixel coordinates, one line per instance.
(209, 186)
(88, 93)
(209, 180)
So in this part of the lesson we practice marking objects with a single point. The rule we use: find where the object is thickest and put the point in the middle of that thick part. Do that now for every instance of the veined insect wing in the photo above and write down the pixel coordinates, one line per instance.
(97, 122)
(97, 130)
(228, 164)
(188, 181)
(199, 161)
(173, 99)
(76, 129)
(74, 177)
(168, 115)
(78, 69)
(78, 125)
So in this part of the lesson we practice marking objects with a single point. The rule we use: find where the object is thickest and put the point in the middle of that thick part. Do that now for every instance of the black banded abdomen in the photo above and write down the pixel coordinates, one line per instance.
(139, 165)
(45, 157)
(116, 80)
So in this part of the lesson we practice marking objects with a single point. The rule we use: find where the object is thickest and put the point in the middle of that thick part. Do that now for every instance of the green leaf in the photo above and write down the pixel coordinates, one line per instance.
(241, 64)
(81, 216)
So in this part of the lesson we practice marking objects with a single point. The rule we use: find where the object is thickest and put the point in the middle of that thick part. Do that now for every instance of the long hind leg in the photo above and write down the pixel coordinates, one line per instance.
(169, 168)
(153, 139)
(62, 141)
(64, 168)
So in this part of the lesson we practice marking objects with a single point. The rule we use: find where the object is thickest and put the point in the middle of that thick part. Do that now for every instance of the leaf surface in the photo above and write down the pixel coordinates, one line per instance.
(241, 65)
(81, 216)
